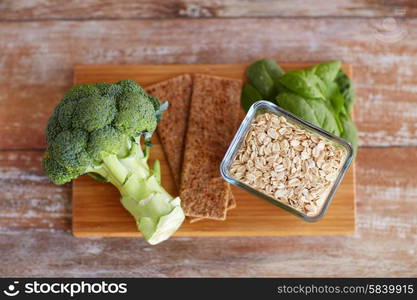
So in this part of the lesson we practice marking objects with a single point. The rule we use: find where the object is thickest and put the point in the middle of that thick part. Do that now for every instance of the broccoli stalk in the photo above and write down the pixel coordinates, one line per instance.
(157, 214)
(96, 130)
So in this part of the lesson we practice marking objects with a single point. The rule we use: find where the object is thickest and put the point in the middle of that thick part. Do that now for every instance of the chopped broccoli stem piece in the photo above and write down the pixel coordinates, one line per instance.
(142, 193)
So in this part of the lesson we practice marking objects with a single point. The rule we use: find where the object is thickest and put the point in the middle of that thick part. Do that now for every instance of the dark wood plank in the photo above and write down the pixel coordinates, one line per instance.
(36, 59)
(384, 244)
(133, 9)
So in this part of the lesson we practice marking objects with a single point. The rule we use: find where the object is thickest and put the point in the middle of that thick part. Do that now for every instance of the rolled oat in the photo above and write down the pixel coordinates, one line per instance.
(288, 163)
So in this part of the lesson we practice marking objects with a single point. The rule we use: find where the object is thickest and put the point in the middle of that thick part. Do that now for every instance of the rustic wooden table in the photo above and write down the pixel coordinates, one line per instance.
(40, 41)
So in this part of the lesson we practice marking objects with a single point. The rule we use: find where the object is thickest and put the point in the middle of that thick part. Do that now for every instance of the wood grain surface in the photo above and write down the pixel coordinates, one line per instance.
(41, 41)
(383, 245)
(96, 209)
(37, 59)
(141, 9)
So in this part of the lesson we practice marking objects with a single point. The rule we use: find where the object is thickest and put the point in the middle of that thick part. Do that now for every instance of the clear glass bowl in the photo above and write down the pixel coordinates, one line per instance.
(261, 107)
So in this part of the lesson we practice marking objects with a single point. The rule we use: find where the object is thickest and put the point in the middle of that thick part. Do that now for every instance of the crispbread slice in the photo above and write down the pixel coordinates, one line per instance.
(172, 128)
(230, 205)
(232, 200)
(214, 114)
(209, 199)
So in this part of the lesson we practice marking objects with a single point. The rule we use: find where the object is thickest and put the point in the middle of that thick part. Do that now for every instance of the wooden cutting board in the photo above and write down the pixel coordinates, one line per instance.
(97, 211)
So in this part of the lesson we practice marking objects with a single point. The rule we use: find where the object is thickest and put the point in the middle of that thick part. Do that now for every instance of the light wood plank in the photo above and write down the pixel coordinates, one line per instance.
(133, 9)
(37, 59)
(383, 246)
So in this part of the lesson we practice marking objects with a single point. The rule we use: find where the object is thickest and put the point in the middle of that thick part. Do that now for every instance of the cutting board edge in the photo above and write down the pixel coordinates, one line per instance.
(86, 234)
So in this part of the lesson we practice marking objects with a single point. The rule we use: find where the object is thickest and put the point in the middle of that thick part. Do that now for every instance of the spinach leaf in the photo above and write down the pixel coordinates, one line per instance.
(327, 71)
(314, 111)
(249, 96)
(336, 103)
(335, 97)
(261, 75)
(347, 90)
(322, 95)
(350, 133)
(305, 83)
(298, 106)
(279, 87)
(326, 117)
(272, 67)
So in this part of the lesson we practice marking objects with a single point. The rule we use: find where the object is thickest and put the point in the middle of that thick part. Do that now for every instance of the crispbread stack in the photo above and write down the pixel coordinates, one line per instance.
(213, 119)
(173, 126)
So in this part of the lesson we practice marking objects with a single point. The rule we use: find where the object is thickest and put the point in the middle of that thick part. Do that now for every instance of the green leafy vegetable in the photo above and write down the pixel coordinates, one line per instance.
(327, 71)
(279, 87)
(261, 75)
(335, 97)
(305, 83)
(311, 110)
(347, 90)
(273, 69)
(249, 96)
(96, 130)
(337, 103)
(298, 106)
(350, 133)
(322, 95)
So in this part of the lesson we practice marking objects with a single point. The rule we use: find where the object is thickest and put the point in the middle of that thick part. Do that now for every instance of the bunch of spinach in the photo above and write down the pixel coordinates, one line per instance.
(322, 95)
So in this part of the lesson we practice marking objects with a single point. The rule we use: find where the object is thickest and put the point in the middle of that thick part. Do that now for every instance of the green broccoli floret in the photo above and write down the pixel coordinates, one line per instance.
(57, 173)
(69, 150)
(107, 140)
(136, 114)
(96, 130)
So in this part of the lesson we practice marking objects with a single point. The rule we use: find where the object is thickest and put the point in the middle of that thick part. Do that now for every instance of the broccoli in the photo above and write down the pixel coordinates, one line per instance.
(96, 129)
